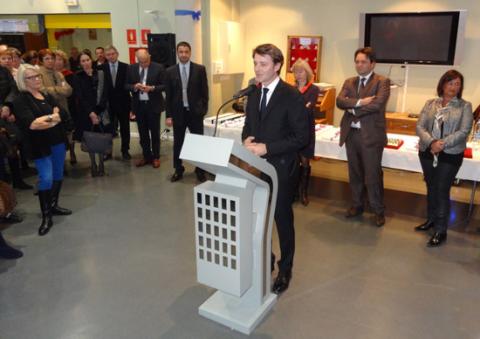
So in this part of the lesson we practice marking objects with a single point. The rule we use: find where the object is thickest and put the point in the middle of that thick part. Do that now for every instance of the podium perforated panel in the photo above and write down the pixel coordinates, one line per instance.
(217, 229)
(223, 236)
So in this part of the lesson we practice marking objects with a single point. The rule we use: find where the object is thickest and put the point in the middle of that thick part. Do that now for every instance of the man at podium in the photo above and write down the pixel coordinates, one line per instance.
(276, 128)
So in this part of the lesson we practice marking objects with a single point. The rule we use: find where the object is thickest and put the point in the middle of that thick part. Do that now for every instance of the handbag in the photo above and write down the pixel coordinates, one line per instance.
(97, 142)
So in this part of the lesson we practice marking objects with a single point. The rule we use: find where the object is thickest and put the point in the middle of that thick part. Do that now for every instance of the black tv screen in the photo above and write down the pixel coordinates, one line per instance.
(417, 38)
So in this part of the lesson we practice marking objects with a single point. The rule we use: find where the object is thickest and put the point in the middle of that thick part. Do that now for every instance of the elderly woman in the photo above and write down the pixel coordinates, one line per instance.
(54, 83)
(92, 105)
(304, 82)
(61, 65)
(30, 57)
(16, 60)
(43, 122)
(443, 127)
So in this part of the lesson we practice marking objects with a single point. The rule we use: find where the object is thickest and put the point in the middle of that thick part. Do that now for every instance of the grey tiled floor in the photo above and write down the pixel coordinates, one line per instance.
(123, 267)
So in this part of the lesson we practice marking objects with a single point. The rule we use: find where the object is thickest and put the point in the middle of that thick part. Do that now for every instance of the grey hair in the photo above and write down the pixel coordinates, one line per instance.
(21, 75)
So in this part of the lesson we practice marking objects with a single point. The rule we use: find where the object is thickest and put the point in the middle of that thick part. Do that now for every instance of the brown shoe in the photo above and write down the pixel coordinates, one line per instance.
(156, 163)
(353, 212)
(142, 162)
(379, 220)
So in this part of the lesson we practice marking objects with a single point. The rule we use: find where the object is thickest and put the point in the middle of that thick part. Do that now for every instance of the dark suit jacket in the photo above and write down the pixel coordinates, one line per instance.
(371, 116)
(155, 77)
(118, 97)
(284, 127)
(197, 92)
(8, 87)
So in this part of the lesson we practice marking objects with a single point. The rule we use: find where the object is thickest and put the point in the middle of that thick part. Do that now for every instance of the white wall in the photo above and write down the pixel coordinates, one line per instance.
(338, 22)
(124, 14)
(81, 40)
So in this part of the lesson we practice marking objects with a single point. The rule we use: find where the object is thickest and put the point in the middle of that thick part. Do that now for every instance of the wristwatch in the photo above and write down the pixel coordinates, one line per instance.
(49, 118)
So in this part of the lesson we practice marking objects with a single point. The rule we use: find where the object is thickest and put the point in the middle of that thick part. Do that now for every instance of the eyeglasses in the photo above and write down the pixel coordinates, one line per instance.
(34, 77)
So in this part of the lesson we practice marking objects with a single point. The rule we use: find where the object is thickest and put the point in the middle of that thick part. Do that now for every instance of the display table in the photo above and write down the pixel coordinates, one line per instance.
(326, 146)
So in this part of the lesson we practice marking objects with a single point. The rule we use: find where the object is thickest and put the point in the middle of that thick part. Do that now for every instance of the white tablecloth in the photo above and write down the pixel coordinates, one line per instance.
(326, 146)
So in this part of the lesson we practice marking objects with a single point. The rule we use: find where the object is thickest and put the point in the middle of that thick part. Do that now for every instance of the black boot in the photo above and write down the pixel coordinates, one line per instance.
(93, 165)
(101, 165)
(45, 205)
(425, 226)
(73, 156)
(7, 252)
(304, 181)
(57, 210)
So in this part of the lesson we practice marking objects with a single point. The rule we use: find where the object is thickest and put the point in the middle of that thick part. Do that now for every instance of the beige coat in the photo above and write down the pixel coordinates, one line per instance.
(54, 84)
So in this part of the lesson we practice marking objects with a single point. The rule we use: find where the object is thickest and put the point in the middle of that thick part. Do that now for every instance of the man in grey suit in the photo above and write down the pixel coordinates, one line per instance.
(362, 130)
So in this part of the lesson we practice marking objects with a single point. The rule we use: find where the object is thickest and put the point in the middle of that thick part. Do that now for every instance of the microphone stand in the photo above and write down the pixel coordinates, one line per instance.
(218, 112)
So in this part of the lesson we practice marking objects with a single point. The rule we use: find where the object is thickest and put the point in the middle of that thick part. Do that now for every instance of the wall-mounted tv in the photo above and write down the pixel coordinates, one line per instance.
(431, 38)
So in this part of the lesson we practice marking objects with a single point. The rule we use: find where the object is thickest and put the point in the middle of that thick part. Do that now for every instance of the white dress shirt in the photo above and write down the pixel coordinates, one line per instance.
(366, 77)
(271, 87)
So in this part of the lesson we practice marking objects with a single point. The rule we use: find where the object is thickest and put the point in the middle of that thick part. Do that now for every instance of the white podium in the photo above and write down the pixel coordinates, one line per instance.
(233, 231)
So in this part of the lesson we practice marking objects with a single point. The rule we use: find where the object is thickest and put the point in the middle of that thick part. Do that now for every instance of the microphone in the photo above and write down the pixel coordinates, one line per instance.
(244, 92)
(238, 95)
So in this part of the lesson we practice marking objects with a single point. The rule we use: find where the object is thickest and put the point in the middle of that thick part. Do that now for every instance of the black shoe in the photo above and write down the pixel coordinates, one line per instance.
(8, 252)
(12, 218)
(55, 209)
(437, 239)
(425, 226)
(126, 156)
(282, 281)
(107, 157)
(22, 185)
(176, 176)
(353, 212)
(201, 176)
(379, 220)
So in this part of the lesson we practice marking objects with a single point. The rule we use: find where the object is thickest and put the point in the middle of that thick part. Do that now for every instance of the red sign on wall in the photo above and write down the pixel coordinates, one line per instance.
(131, 54)
(131, 36)
(144, 37)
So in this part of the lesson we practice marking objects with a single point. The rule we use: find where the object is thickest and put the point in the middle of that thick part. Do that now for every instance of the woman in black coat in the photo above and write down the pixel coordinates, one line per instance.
(92, 110)
(304, 82)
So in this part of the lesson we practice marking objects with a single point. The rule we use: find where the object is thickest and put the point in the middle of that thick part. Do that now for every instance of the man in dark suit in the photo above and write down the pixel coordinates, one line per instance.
(276, 128)
(146, 81)
(100, 55)
(362, 130)
(187, 103)
(118, 97)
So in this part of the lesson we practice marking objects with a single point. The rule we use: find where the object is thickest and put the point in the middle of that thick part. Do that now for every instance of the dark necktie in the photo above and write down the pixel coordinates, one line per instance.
(114, 73)
(263, 103)
(142, 75)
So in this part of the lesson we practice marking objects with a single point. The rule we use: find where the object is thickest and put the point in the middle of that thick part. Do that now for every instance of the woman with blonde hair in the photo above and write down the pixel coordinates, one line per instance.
(304, 82)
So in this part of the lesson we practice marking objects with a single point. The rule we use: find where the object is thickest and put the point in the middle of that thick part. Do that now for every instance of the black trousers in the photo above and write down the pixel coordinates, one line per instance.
(283, 216)
(365, 171)
(121, 115)
(194, 123)
(148, 121)
(439, 180)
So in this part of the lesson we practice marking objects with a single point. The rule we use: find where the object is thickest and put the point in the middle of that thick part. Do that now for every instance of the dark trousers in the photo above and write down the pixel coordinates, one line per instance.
(439, 180)
(284, 213)
(121, 115)
(194, 124)
(365, 171)
(148, 121)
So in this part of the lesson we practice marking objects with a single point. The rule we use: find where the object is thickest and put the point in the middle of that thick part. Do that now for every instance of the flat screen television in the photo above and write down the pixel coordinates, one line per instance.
(430, 38)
